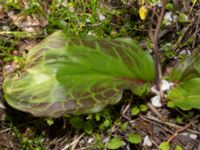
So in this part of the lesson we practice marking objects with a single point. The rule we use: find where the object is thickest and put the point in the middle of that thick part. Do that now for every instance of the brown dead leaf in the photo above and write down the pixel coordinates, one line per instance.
(3, 13)
(32, 23)
(23, 3)
(26, 45)
(11, 67)
(5, 140)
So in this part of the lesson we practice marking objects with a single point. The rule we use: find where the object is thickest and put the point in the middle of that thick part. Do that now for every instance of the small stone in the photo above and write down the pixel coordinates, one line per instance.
(193, 136)
(147, 141)
(101, 17)
(2, 106)
(168, 17)
(105, 140)
(185, 52)
(90, 140)
(184, 134)
(156, 101)
(165, 85)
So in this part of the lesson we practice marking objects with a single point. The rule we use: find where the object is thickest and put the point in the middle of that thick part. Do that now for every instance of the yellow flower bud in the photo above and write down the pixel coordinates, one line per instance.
(143, 12)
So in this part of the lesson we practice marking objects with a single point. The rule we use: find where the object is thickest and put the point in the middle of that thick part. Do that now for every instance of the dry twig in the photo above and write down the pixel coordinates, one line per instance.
(178, 131)
(74, 143)
(169, 124)
(154, 110)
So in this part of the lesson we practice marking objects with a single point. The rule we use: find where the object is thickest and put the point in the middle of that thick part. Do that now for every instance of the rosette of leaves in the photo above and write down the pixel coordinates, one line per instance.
(67, 74)
(186, 75)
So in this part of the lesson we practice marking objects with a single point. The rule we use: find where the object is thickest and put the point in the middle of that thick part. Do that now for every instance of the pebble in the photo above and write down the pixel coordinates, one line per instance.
(105, 140)
(156, 101)
(101, 17)
(165, 85)
(2, 106)
(185, 134)
(168, 16)
(193, 136)
(90, 140)
(147, 141)
(185, 52)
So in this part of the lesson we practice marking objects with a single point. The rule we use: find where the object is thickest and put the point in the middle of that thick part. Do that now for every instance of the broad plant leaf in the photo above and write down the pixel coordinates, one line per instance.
(115, 143)
(134, 138)
(186, 95)
(187, 69)
(66, 74)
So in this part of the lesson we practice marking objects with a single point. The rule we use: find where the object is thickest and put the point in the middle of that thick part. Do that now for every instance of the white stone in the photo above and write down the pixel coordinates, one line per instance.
(165, 85)
(105, 140)
(186, 52)
(101, 17)
(168, 16)
(184, 134)
(193, 136)
(90, 140)
(2, 106)
(156, 101)
(147, 141)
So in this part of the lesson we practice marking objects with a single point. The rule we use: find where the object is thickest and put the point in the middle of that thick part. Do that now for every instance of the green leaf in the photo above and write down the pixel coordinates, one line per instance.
(188, 68)
(67, 74)
(97, 117)
(135, 111)
(164, 146)
(182, 18)
(179, 120)
(143, 108)
(76, 122)
(88, 127)
(124, 126)
(134, 138)
(170, 104)
(169, 6)
(178, 147)
(115, 143)
(186, 94)
(98, 141)
(50, 121)
(106, 123)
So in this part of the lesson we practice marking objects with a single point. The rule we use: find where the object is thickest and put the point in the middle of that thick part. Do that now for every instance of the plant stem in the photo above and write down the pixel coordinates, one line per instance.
(156, 48)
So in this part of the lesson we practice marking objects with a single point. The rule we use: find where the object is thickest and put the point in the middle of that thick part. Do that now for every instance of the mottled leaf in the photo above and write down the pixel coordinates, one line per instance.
(66, 74)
